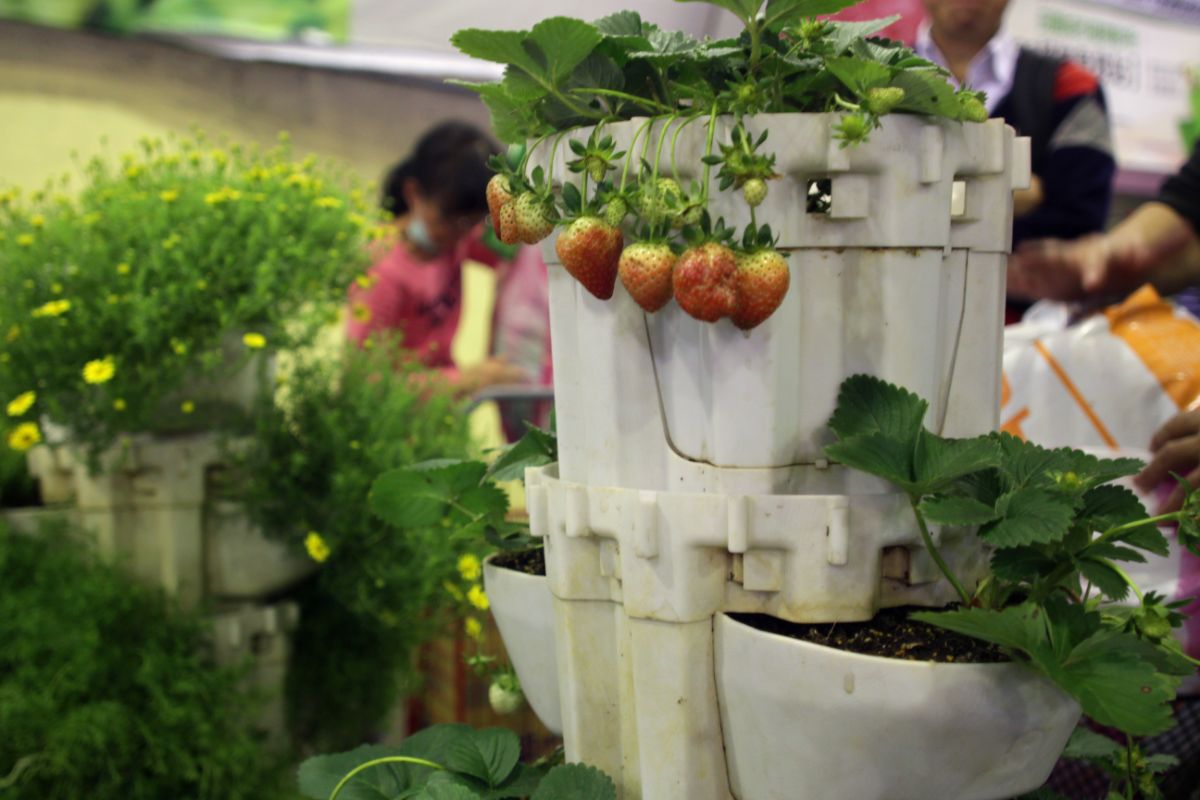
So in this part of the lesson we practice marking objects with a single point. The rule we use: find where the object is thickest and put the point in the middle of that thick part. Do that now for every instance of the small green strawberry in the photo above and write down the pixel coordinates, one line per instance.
(615, 211)
(505, 695)
(883, 99)
(645, 270)
(754, 191)
(852, 129)
(971, 107)
(762, 282)
(532, 216)
(705, 281)
(590, 250)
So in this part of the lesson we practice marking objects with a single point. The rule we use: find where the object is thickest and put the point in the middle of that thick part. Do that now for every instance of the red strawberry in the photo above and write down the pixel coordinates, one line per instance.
(532, 218)
(645, 270)
(590, 248)
(499, 194)
(705, 281)
(762, 282)
(505, 223)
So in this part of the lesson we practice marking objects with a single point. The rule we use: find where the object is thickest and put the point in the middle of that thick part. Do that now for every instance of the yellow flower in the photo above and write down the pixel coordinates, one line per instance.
(168, 195)
(473, 628)
(112, 299)
(100, 370)
(469, 567)
(21, 403)
(123, 268)
(222, 195)
(25, 240)
(318, 551)
(24, 436)
(187, 406)
(360, 312)
(201, 284)
(132, 171)
(179, 347)
(56, 288)
(255, 341)
(478, 598)
(13, 334)
(366, 281)
(298, 179)
(119, 404)
(219, 157)
(52, 309)
(37, 220)
(327, 202)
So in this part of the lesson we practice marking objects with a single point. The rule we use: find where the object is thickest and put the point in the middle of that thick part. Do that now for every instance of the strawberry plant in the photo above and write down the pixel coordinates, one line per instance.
(570, 78)
(1057, 530)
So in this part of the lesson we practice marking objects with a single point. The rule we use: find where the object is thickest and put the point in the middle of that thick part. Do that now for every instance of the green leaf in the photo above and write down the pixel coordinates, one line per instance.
(1104, 577)
(1114, 552)
(782, 13)
(1107, 507)
(1029, 516)
(318, 776)
(620, 24)
(575, 782)
(877, 455)
(867, 405)
(502, 47)
(944, 510)
(1087, 745)
(667, 46)
(407, 498)
(1148, 538)
(1021, 564)
(529, 451)
(1097, 470)
(446, 791)
(1116, 685)
(926, 92)
(597, 71)
(858, 75)
(489, 755)
(1016, 627)
(939, 461)
(841, 34)
(563, 44)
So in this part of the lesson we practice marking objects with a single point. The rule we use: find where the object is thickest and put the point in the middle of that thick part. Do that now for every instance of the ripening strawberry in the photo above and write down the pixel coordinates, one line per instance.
(705, 281)
(645, 270)
(505, 223)
(532, 219)
(590, 249)
(615, 211)
(499, 194)
(762, 282)
(754, 191)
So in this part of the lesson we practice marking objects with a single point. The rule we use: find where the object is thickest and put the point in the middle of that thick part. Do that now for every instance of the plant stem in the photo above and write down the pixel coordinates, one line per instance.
(1174, 516)
(662, 138)
(632, 146)
(645, 102)
(674, 142)
(933, 551)
(550, 166)
(1128, 767)
(755, 44)
(376, 762)
(529, 152)
(712, 127)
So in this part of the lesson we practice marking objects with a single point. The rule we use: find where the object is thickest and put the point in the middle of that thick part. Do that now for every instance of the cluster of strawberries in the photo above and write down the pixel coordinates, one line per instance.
(707, 277)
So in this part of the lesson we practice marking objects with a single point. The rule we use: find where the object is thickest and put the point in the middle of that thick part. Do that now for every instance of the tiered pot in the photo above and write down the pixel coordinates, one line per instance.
(692, 482)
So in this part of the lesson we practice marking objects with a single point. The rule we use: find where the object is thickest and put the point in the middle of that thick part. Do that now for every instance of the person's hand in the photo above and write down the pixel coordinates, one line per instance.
(1027, 200)
(1176, 449)
(1058, 270)
(490, 372)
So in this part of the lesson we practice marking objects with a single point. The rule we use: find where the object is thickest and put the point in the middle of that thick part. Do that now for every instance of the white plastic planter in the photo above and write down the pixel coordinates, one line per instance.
(890, 282)
(240, 562)
(257, 637)
(524, 611)
(880, 729)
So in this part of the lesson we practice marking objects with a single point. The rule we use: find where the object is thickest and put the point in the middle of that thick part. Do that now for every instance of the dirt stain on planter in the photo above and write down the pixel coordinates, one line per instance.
(891, 634)
(531, 562)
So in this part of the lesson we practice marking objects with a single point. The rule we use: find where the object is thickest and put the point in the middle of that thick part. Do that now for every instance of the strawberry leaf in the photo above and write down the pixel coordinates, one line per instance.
(1104, 577)
(745, 10)
(858, 75)
(842, 34)
(1029, 516)
(502, 47)
(562, 43)
(877, 454)
(938, 461)
(1021, 564)
(868, 405)
(1107, 507)
(781, 13)
(943, 510)
(575, 782)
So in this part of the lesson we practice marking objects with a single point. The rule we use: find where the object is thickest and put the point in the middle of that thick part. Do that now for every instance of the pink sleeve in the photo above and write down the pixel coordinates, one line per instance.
(521, 321)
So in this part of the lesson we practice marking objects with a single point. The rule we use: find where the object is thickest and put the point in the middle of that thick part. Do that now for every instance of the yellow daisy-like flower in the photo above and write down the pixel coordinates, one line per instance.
(327, 202)
(132, 171)
(187, 406)
(37, 221)
(473, 628)
(119, 404)
(25, 240)
(100, 370)
(123, 268)
(21, 403)
(298, 179)
(469, 567)
(366, 281)
(54, 308)
(179, 347)
(13, 334)
(255, 341)
(318, 551)
(223, 195)
(478, 598)
(24, 436)
(361, 312)
(168, 195)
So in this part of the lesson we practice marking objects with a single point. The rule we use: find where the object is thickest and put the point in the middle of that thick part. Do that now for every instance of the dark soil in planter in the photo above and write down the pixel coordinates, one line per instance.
(891, 634)
(531, 562)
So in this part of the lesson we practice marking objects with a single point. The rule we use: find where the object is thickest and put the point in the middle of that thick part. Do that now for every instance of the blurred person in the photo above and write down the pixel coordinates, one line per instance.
(1158, 242)
(437, 195)
(1058, 104)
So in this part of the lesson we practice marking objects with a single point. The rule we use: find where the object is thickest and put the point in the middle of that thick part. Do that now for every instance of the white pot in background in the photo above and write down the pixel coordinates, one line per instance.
(806, 722)
(524, 612)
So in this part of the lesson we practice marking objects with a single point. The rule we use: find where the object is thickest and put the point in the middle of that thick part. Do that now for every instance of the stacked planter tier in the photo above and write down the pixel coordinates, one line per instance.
(691, 483)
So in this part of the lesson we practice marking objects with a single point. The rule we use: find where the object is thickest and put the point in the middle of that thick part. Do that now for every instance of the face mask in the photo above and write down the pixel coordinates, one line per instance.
(418, 234)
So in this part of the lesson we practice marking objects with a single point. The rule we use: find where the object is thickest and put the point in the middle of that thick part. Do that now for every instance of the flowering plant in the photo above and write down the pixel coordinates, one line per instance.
(124, 303)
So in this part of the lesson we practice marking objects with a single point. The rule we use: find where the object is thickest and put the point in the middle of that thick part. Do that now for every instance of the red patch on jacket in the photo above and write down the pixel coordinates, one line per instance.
(1073, 80)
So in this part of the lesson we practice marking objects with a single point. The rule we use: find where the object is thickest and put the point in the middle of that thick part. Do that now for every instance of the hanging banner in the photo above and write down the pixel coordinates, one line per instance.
(1179, 10)
(1144, 63)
